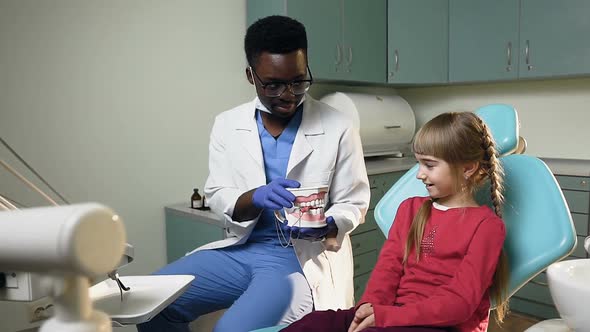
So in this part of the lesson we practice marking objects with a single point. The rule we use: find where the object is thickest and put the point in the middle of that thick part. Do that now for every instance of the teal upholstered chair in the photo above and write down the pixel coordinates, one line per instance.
(538, 222)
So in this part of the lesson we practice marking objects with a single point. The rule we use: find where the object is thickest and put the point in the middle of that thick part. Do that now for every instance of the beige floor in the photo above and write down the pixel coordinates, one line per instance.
(513, 323)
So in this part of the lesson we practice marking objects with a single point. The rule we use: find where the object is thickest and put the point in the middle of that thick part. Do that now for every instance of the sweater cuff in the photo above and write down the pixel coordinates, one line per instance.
(381, 313)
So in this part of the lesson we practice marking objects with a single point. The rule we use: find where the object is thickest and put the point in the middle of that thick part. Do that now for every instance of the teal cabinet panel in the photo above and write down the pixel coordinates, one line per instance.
(184, 234)
(417, 41)
(364, 263)
(364, 51)
(483, 40)
(534, 309)
(322, 20)
(346, 38)
(376, 195)
(579, 251)
(369, 224)
(573, 182)
(535, 292)
(365, 242)
(386, 180)
(581, 223)
(256, 9)
(554, 38)
(360, 283)
(577, 201)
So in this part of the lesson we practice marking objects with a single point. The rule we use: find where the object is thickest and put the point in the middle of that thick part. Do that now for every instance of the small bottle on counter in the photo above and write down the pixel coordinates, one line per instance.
(205, 205)
(196, 199)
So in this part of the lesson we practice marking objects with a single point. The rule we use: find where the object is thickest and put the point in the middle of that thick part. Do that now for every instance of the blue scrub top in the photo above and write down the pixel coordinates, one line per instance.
(276, 153)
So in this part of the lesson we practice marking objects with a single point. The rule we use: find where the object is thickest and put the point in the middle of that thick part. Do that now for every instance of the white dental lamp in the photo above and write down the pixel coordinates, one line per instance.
(72, 244)
(67, 248)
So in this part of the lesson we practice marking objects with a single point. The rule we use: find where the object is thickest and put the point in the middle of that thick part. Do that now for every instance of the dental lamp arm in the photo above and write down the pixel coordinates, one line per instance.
(72, 243)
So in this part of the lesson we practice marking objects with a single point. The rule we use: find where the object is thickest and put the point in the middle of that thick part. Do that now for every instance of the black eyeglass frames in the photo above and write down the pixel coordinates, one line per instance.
(277, 88)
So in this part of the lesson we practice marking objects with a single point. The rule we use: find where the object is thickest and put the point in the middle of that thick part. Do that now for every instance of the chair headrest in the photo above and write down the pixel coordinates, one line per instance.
(502, 120)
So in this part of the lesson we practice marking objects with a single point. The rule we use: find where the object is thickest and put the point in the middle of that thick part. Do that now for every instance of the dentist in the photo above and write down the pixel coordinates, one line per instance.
(282, 139)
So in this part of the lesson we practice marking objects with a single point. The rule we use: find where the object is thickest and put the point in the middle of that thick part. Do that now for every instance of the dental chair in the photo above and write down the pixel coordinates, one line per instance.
(539, 227)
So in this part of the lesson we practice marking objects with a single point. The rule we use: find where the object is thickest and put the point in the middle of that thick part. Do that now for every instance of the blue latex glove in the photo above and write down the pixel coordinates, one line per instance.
(312, 234)
(274, 196)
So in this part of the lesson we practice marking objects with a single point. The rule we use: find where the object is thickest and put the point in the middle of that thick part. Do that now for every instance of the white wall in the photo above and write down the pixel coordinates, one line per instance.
(112, 101)
(554, 114)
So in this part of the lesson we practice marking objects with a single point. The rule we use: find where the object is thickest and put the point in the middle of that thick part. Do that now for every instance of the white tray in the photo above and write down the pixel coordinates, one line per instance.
(147, 297)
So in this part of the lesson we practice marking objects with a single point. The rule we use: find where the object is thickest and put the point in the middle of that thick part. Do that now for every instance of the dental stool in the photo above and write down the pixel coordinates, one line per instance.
(538, 222)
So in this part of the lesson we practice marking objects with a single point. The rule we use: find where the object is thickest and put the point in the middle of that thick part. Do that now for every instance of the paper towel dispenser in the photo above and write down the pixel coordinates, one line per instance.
(386, 123)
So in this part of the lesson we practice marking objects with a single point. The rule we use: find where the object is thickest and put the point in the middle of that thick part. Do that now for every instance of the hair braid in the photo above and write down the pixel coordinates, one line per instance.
(495, 173)
(493, 168)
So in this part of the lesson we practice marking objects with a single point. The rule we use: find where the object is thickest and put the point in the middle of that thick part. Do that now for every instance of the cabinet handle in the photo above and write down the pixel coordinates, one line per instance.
(349, 59)
(356, 245)
(527, 53)
(396, 57)
(583, 182)
(338, 55)
(509, 56)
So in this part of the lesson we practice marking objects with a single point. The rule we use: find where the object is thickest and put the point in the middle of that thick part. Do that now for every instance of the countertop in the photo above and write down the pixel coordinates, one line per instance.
(573, 167)
(184, 210)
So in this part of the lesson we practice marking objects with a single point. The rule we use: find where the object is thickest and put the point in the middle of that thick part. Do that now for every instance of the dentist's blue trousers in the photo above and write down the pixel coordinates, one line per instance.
(262, 284)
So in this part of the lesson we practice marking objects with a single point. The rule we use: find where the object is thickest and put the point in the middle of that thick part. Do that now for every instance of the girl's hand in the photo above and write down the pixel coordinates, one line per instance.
(363, 317)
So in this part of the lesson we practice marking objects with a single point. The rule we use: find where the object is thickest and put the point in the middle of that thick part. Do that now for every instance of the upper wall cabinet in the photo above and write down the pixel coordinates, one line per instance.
(346, 38)
(417, 41)
(490, 40)
(483, 40)
(554, 38)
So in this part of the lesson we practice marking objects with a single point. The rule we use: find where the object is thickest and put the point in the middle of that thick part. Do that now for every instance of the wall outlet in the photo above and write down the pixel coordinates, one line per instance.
(40, 309)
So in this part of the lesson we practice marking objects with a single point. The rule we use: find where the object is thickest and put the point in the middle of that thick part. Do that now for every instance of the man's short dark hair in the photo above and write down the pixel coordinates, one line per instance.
(274, 34)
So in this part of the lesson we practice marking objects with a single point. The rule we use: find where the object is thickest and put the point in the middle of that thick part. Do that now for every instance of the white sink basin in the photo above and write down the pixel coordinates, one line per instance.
(146, 298)
(569, 283)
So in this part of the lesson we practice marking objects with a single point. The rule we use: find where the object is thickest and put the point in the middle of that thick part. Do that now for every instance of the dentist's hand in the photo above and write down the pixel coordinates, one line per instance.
(312, 234)
(274, 196)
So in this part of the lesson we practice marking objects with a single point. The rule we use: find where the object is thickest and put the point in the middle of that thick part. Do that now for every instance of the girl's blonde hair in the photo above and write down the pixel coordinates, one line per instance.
(458, 138)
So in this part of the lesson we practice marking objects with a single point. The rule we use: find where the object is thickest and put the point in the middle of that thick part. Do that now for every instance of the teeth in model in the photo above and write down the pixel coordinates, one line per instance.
(317, 203)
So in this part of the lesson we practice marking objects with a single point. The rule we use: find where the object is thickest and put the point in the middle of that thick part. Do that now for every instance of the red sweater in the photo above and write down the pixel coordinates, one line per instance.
(449, 286)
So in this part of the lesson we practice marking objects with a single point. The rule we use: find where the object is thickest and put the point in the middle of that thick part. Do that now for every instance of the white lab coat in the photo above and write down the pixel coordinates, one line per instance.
(327, 150)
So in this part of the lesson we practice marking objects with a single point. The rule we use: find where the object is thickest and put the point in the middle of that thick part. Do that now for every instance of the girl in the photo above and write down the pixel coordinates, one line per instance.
(443, 257)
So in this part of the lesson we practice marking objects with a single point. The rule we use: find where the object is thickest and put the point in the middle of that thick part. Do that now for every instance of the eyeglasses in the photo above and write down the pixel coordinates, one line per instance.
(277, 88)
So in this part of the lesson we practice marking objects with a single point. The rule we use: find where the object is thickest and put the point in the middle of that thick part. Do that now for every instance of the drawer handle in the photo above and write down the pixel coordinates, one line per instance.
(539, 283)
(583, 182)
(356, 245)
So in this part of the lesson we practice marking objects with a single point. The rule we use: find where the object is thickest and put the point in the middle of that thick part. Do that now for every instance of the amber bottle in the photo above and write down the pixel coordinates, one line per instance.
(196, 199)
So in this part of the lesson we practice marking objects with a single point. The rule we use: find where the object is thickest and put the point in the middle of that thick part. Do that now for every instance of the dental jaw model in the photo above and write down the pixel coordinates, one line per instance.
(569, 284)
(308, 207)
